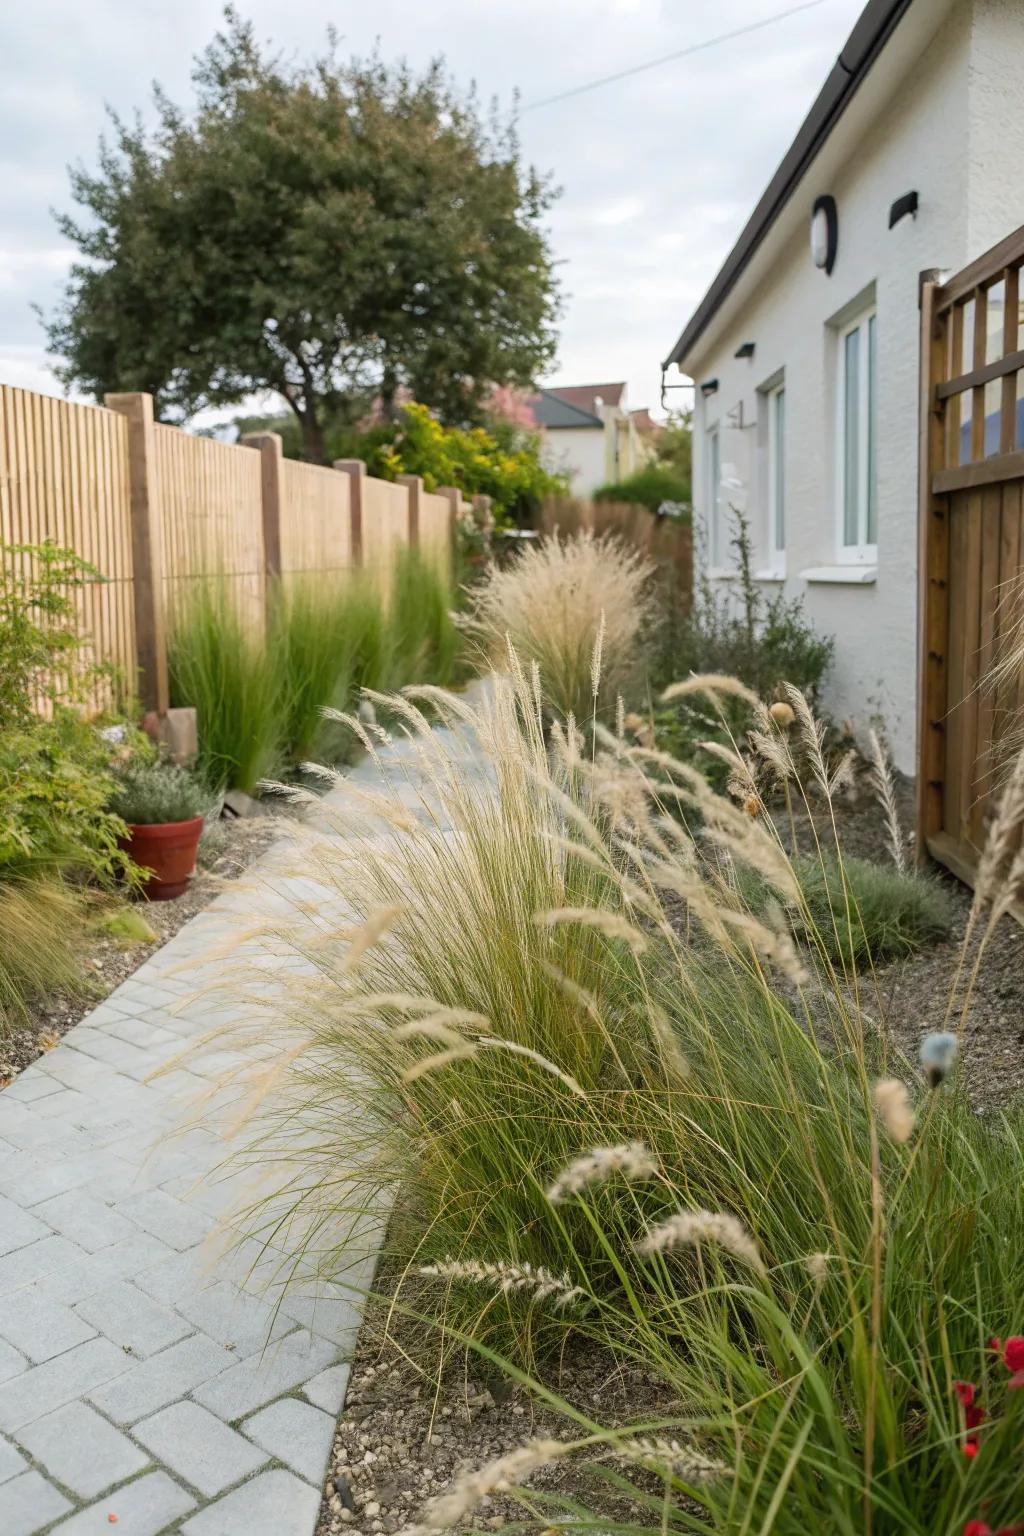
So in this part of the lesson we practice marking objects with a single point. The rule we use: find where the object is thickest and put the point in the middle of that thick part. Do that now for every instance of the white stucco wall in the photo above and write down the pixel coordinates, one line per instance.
(953, 130)
(579, 452)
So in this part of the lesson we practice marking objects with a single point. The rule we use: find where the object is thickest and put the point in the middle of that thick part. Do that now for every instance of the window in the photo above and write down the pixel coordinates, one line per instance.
(713, 499)
(777, 478)
(857, 446)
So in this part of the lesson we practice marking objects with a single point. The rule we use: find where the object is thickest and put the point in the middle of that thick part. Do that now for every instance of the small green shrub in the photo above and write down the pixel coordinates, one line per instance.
(866, 913)
(649, 487)
(55, 783)
(310, 646)
(39, 640)
(147, 794)
(224, 671)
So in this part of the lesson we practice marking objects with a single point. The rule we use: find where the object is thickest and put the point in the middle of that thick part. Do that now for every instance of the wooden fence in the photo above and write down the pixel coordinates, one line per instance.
(155, 509)
(971, 548)
(667, 541)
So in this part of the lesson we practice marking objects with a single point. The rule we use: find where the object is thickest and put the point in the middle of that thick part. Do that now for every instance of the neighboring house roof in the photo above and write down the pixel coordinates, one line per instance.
(553, 410)
(586, 396)
(872, 31)
(645, 422)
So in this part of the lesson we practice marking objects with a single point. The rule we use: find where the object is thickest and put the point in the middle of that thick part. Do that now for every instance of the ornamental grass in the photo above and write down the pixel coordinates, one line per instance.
(604, 1099)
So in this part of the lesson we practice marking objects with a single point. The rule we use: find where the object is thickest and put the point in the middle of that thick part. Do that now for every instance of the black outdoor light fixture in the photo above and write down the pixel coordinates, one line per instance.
(746, 350)
(824, 232)
(902, 206)
(709, 387)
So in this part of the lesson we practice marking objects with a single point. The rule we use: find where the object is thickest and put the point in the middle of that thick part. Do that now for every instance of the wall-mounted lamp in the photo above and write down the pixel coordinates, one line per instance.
(902, 206)
(747, 350)
(824, 232)
(709, 387)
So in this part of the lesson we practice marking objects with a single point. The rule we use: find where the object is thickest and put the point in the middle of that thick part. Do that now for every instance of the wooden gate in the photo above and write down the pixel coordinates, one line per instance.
(971, 546)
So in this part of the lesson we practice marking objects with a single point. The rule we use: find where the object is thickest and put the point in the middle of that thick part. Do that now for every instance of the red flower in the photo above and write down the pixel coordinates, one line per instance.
(995, 1344)
(1016, 1380)
(965, 1391)
(970, 1449)
(1013, 1354)
(974, 1416)
(977, 1528)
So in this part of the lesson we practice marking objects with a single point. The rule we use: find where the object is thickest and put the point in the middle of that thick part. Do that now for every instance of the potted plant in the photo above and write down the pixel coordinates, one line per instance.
(163, 805)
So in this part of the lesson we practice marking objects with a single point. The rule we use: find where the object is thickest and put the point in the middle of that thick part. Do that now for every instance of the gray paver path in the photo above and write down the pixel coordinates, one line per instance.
(149, 1370)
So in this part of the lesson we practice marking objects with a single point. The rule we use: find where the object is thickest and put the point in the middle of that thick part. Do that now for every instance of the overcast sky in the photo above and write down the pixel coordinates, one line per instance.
(658, 172)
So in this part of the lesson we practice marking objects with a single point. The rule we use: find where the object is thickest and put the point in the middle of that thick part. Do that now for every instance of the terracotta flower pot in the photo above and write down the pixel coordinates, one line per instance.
(168, 849)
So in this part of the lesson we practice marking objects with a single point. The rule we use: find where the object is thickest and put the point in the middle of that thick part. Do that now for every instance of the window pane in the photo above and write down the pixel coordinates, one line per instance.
(872, 519)
(851, 437)
(779, 470)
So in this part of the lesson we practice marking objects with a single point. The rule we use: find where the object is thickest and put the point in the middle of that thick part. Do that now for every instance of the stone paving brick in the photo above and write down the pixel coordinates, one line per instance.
(31, 1086)
(40, 1327)
(26, 1265)
(145, 1507)
(167, 1218)
(18, 1228)
(81, 1451)
(296, 1434)
(61, 1380)
(12, 1363)
(199, 1448)
(28, 1503)
(238, 1321)
(11, 1461)
(121, 1312)
(262, 1377)
(160, 1380)
(327, 1390)
(273, 1504)
(84, 1220)
(93, 1271)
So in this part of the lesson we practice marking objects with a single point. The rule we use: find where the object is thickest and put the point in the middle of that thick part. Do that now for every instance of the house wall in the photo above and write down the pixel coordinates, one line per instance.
(953, 130)
(579, 452)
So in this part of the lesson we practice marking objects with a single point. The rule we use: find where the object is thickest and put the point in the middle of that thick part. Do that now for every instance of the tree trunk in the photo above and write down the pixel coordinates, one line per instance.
(388, 391)
(312, 436)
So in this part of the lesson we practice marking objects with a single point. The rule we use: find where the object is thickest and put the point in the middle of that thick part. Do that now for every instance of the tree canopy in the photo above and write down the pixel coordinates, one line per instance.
(334, 231)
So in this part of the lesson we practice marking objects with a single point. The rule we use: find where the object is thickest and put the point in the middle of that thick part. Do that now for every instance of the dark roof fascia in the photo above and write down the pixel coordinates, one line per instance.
(871, 32)
(559, 407)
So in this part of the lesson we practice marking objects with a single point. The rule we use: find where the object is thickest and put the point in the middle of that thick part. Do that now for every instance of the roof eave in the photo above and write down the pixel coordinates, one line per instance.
(871, 32)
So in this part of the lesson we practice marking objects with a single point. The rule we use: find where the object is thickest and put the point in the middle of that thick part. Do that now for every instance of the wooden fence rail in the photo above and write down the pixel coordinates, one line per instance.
(154, 509)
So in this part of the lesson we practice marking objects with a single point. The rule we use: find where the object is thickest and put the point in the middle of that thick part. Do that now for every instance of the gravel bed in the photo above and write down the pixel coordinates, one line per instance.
(228, 847)
(403, 1438)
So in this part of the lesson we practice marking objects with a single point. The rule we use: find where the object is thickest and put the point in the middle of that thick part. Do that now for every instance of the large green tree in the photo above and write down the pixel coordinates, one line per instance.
(334, 232)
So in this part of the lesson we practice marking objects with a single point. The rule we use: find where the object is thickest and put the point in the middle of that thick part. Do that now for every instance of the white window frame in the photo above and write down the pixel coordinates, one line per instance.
(775, 465)
(863, 550)
(713, 493)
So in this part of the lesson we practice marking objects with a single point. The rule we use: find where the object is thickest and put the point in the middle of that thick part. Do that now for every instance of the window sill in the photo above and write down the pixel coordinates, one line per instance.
(778, 576)
(841, 575)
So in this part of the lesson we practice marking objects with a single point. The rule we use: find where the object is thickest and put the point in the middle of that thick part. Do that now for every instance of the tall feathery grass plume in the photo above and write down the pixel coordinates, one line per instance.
(579, 608)
(631, 1161)
(884, 787)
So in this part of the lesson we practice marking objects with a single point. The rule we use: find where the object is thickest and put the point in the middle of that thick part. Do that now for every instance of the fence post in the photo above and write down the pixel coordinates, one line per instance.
(147, 549)
(414, 485)
(356, 471)
(453, 496)
(271, 460)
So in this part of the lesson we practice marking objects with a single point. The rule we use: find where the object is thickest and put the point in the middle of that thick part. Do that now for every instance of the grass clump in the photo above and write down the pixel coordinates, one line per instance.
(556, 1036)
(867, 914)
(222, 669)
(576, 607)
(426, 642)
